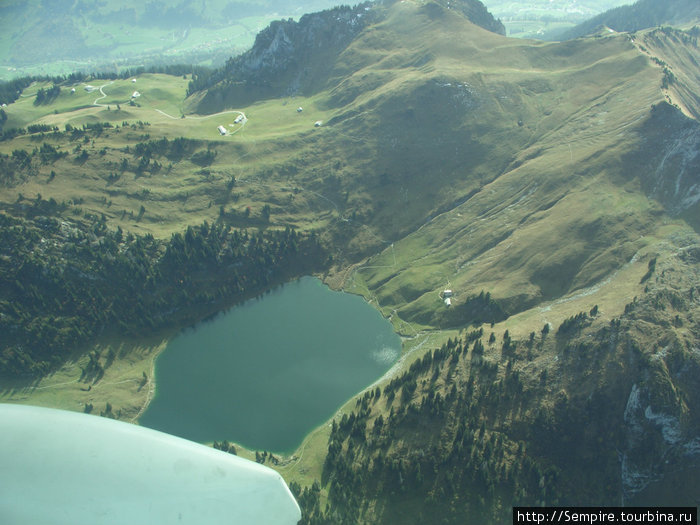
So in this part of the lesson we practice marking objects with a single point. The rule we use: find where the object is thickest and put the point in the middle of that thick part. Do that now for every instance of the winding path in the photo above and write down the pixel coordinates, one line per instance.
(103, 95)
(242, 122)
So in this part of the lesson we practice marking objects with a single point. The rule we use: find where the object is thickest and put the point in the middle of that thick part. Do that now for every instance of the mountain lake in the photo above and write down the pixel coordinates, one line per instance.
(267, 372)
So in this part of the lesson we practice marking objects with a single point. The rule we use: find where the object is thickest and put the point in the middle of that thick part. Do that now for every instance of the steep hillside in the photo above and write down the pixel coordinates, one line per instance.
(676, 52)
(448, 154)
(594, 412)
(641, 15)
(288, 58)
(464, 154)
(293, 58)
(551, 187)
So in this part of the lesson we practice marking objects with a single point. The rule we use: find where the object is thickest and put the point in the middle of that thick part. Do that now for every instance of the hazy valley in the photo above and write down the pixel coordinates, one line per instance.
(57, 37)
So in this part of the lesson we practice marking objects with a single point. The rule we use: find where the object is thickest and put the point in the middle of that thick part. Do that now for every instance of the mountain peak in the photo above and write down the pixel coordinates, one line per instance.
(476, 12)
(295, 57)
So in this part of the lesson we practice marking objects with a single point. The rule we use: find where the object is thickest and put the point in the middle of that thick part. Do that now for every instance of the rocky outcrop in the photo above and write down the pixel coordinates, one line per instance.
(675, 179)
(659, 441)
(288, 57)
(294, 58)
(477, 13)
(668, 166)
(286, 52)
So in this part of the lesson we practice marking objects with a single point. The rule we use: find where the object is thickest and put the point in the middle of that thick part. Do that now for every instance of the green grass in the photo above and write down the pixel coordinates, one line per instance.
(279, 158)
(24, 112)
(122, 386)
(533, 184)
(184, 195)
(514, 185)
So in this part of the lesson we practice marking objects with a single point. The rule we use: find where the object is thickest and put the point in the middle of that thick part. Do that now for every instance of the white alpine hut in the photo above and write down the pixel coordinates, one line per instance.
(447, 297)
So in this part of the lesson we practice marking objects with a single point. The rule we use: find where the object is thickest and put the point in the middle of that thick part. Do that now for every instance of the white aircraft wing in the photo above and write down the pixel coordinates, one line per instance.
(59, 467)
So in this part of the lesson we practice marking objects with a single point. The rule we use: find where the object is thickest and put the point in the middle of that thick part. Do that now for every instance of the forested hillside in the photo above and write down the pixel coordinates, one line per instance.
(587, 412)
(66, 283)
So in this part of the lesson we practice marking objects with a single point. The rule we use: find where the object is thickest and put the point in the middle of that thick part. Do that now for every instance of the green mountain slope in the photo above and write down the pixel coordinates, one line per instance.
(545, 184)
(679, 62)
(470, 154)
(546, 175)
(600, 412)
(295, 58)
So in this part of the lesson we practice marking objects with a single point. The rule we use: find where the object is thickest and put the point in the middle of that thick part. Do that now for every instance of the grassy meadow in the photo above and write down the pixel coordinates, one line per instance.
(488, 165)
(127, 384)
(179, 194)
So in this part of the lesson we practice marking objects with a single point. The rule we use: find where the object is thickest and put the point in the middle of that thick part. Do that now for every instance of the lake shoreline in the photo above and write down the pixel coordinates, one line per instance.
(140, 354)
(325, 345)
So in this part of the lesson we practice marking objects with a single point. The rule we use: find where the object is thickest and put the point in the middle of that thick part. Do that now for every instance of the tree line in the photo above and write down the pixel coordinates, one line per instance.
(463, 434)
(10, 90)
(63, 284)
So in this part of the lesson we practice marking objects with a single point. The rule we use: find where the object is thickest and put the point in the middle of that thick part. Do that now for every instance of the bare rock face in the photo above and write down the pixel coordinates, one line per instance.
(289, 47)
(659, 441)
(672, 159)
(288, 57)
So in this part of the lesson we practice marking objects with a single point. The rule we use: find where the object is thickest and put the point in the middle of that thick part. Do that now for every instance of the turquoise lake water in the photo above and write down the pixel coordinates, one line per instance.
(267, 372)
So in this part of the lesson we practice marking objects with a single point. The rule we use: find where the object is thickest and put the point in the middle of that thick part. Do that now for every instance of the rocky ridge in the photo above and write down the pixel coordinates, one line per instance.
(294, 58)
